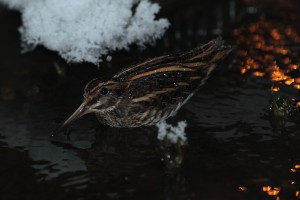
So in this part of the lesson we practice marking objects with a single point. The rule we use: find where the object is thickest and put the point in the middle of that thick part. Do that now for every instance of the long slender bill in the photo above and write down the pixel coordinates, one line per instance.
(81, 110)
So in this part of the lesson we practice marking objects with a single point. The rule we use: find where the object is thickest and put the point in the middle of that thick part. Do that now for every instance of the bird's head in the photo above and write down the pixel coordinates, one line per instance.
(99, 97)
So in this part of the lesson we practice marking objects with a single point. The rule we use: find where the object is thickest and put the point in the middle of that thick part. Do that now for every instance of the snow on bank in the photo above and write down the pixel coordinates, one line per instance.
(84, 30)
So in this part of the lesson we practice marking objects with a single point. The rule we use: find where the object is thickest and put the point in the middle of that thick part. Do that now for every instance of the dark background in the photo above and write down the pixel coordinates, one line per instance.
(235, 146)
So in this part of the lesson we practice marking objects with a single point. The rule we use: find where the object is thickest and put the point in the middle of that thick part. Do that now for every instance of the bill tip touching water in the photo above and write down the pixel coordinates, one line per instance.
(150, 91)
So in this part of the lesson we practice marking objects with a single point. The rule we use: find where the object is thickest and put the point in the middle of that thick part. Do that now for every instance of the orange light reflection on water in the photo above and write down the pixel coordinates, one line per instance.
(259, 74)
(271, 50)
(293, 67)
(242, 188)
(297, 86)
(268, 53)
(271, 191)
(275, 89)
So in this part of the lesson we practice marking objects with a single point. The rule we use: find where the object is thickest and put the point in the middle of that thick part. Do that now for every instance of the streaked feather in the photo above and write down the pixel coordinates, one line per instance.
(153, 90)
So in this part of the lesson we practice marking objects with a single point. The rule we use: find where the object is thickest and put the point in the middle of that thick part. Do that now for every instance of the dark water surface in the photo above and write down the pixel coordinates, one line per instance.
(236, 148)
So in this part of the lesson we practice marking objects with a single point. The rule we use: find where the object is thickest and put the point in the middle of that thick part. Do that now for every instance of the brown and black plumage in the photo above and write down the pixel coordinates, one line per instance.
(151, 91)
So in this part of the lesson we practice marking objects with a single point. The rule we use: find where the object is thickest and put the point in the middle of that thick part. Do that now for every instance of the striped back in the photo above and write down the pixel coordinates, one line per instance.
(200, 58)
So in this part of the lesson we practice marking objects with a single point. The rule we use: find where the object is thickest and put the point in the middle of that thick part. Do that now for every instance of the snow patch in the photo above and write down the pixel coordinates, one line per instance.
(173, 134)
(85, 30)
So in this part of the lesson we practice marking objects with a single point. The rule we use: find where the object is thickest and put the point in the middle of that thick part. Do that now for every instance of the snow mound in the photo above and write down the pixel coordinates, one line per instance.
(85, 30)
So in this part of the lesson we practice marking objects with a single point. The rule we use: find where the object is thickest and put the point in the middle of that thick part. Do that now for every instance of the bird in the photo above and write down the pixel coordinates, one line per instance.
(148, 92)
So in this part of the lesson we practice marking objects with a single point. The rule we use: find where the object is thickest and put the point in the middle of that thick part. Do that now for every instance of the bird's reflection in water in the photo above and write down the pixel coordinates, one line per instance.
(133, 159)
(119, 151)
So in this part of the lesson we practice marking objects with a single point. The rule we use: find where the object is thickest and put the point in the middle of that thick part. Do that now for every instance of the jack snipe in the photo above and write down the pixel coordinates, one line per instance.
(150, 91)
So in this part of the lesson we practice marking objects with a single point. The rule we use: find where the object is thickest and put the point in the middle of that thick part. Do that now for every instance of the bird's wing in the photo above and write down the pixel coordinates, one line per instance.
(170, 80)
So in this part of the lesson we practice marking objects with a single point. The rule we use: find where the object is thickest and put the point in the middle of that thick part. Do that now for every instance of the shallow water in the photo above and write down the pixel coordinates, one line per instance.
(235, 150)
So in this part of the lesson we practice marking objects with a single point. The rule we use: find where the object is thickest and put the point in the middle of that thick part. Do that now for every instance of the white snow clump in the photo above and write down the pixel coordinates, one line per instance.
(84, 30)
(173, 134)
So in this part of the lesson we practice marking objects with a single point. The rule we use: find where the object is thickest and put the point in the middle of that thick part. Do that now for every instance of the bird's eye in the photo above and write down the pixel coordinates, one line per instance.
(104, 91)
